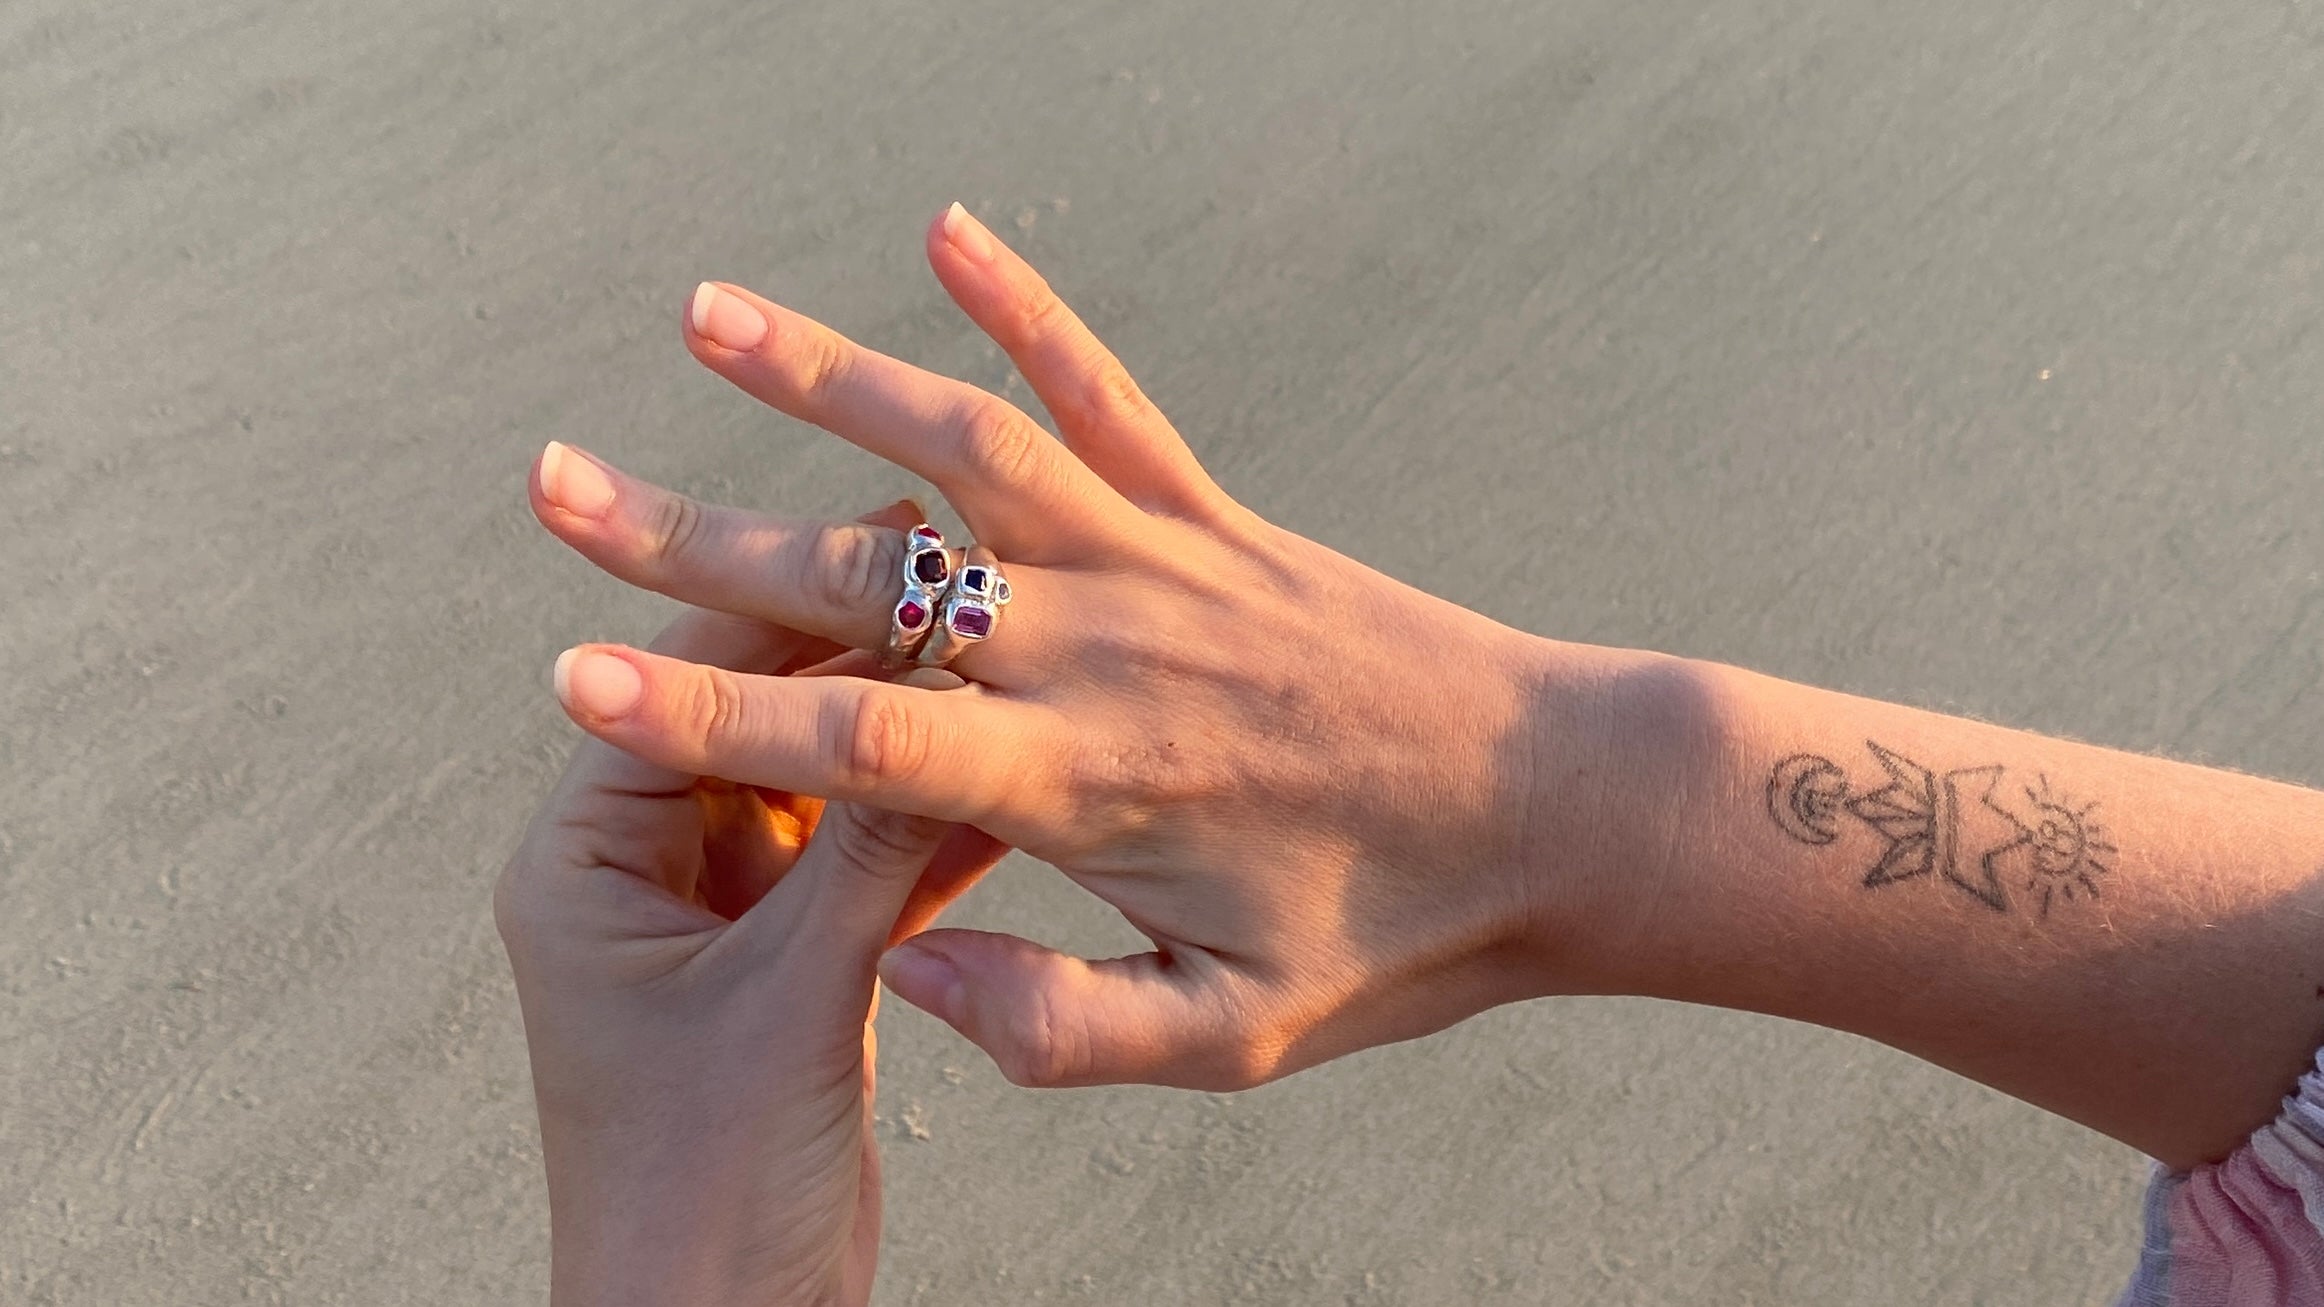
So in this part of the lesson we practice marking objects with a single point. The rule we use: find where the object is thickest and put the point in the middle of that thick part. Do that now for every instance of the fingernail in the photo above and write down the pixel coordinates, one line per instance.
(572, 482)
(599, 684)
(924, 979)
(728, 321)
(968, 235)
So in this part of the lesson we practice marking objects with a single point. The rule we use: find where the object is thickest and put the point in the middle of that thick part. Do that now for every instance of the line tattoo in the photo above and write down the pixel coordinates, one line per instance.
(1963, 828)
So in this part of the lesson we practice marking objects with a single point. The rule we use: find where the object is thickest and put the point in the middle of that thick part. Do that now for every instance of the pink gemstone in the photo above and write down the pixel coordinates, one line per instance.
(911, 615)
(975, 623)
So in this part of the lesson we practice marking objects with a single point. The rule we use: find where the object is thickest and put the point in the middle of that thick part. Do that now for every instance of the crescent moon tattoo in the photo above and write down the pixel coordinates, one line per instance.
(1805, 796)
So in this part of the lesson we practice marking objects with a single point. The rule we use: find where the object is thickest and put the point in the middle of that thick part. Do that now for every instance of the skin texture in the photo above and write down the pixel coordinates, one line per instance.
(1322, 832)
(2127, 941)
(681, 944)
(1347, 813)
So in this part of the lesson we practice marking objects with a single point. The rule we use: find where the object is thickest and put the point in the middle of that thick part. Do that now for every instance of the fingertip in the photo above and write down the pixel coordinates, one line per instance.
(964, 233)
(901, 515)
(725, 318)
(574, 481)
(596, 683)
(925, 979)
(561, 676)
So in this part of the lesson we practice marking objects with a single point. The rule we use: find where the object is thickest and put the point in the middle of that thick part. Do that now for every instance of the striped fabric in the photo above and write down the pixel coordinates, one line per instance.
(2245, 1232)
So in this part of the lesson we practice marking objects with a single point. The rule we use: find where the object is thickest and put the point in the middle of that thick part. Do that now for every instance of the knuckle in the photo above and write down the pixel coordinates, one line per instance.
(1113, 394)
(854, 568)
(880, 842)
(1001, 444)
(720, 708)
(1041, 1052)
(1042, 312)
(877, 740)
(824, 359)
(676, 533)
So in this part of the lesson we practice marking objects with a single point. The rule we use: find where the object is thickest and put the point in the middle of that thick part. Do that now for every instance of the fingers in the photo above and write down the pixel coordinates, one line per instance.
(838, 580)
(835, 579)
(705, 634)
(1105, 418)
(1052, 1021)
(917, 750)
(960, 862)
(1020, 491)
(615, 809)
(849, 886)
(696, 636)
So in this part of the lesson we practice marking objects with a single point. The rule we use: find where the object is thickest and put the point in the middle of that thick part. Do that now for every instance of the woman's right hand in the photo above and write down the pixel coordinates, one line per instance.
(1330, 800)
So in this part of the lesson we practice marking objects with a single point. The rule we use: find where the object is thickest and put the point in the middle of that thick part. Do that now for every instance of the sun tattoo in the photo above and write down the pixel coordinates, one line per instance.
(2067, 846)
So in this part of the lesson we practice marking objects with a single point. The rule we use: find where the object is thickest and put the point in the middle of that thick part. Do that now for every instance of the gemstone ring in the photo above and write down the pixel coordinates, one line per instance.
(928, 568)
(971, 610)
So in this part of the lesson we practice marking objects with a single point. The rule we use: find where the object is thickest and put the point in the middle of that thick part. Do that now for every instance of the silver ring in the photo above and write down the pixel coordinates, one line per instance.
(972, 610)
(928, 569)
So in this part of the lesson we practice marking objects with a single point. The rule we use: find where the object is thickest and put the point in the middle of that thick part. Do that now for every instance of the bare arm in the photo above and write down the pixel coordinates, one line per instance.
(2133, 943)
(1345, 812)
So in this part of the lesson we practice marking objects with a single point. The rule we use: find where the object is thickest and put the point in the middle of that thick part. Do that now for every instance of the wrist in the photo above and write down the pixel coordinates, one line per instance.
(678, 1233)
(1620, 737)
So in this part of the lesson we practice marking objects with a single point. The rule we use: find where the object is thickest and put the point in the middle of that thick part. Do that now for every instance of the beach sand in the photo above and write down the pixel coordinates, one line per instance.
(1963, 355)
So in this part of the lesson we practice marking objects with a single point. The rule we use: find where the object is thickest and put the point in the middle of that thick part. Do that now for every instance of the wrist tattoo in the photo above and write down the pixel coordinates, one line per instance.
(1966, 828)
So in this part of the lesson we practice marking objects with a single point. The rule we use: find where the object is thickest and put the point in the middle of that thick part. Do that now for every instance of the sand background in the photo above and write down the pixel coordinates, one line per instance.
(1965, 355)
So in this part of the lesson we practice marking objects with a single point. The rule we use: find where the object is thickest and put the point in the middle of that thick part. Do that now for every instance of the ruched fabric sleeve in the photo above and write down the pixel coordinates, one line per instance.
(2247, 1231)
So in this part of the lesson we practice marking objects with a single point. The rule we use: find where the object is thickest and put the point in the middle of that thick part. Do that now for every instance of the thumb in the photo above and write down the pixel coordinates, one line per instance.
(851, 882)
(1050, 1021)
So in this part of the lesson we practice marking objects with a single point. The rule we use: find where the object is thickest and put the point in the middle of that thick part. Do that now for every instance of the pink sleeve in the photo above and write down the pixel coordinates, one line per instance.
(2247, 1231)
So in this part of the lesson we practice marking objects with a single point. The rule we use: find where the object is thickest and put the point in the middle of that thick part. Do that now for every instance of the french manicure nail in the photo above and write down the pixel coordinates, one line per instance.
(728, 321)
(574, 483)
(968, 235)
(599, 684)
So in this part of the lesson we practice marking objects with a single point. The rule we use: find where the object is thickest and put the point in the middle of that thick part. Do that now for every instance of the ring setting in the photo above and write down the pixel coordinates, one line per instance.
(972, 608)
(928, 569)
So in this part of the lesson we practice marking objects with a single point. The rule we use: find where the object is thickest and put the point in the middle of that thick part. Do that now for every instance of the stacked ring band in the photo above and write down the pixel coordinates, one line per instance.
(971, 610)
(928, 568)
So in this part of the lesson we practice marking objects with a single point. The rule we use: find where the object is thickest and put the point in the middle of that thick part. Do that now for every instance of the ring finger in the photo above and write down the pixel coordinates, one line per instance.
(839, 580)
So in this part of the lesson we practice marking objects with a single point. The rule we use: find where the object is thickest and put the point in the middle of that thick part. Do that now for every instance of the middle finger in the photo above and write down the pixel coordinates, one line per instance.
(1020, 490)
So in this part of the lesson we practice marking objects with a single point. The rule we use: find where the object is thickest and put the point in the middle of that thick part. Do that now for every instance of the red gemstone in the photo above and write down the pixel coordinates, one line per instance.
(930, 567)
(911, 615)
(975, 623)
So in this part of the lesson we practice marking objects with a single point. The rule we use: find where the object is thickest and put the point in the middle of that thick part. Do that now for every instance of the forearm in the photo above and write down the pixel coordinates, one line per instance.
(2134, 943)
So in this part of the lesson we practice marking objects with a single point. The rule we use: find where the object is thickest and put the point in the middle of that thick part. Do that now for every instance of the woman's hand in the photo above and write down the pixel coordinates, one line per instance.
(698, 1010)
(1324, 796)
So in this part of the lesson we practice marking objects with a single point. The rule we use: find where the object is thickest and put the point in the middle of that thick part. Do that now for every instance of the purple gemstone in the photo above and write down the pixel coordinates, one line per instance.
(975, 623)
(930, 567)
(911, 615)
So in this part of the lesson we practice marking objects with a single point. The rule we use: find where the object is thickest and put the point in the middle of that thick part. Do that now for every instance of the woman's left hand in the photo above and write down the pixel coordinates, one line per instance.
(1345, 812)
(695, 963)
